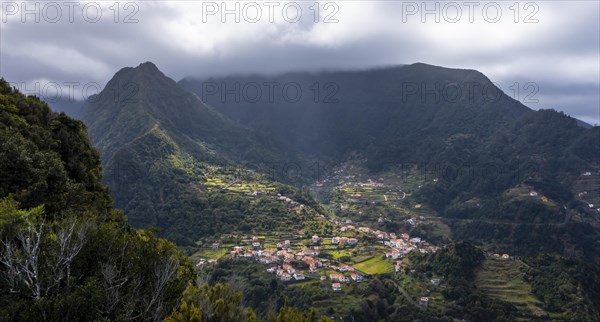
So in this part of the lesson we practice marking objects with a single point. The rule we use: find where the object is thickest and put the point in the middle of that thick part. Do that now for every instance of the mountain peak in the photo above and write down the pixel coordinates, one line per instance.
(148, 67)
(437, 71)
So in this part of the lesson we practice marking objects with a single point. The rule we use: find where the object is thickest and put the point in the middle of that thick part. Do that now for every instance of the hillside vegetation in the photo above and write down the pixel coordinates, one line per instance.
(66, 254)
(472, 143)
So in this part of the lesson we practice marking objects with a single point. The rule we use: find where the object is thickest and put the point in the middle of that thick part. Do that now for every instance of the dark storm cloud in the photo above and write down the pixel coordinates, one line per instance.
(560, 52)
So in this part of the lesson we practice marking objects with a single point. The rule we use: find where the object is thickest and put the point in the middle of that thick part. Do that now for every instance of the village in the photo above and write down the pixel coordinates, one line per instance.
(292, 262)
(332, 260)
(298, 259)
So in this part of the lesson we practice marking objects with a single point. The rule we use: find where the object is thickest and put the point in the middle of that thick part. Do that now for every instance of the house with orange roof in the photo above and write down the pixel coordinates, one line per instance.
(289, 268)
(311, 252)
(395, 254)
(355, 277)
(338, 277)
(336, 287)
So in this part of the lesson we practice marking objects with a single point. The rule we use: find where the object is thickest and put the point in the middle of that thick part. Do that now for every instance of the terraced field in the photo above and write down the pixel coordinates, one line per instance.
(214, 183)
(209, 253)
(375, 265)
(326, 301)
(503, 279)
(587, 189)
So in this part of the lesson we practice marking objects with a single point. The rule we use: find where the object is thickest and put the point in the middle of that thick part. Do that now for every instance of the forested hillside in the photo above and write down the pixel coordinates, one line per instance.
(67, 255)
(175, 163)
(485, 150)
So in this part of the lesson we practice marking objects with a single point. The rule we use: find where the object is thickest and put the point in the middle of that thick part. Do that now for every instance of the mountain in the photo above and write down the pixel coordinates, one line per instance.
(170, 159)
(453, 125)
(69, 106)
(425, 152)
(192, 164)
(141, 102)
(583, 124)
(342, 112)
(67, 255)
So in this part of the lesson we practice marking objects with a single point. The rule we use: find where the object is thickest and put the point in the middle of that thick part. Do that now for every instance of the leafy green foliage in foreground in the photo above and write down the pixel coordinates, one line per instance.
(65, 254)
(81, 269)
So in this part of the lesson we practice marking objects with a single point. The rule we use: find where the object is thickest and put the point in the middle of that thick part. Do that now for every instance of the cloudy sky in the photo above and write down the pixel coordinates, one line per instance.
(555, 45)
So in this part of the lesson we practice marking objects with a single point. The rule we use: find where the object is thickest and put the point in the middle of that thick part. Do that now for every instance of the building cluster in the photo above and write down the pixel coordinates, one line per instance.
(290, 265)
(503, 256)
(256, 193)
(369, 184)
(281, 261)
(343, 241)
(400, 246)
(337, 278)
(414, 221)
(346, 228)
(398, 266)
(289, 201)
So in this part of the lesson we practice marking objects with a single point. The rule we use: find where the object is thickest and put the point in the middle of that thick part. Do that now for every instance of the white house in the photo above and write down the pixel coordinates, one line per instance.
(336, 287)
(355, 277)
(311, 252)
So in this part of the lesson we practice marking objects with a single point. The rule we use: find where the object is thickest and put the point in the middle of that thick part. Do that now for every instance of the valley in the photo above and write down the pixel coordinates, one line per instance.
(351, 244)
(414, 211)
(317, 161)
(314, 219)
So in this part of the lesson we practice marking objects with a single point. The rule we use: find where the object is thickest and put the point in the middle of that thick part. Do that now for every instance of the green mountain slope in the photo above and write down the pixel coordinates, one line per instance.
(454, 126)
(188, 167)
(175, 163)
(398, 112)
(67, 255)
